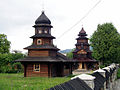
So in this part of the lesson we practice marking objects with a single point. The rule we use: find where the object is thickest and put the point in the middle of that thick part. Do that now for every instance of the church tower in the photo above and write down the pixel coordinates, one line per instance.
(82, 53)
(42, 40)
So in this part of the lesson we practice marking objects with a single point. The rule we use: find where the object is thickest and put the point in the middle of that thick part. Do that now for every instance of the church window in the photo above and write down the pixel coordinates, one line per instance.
(81, 52)
(39, 42)
(40, 31)
(36, 67)
(82, 46)
(45, 31)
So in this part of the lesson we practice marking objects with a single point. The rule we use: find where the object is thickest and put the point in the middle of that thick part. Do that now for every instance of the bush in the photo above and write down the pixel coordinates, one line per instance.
(18, 67)
(118, 73)
(7, 64)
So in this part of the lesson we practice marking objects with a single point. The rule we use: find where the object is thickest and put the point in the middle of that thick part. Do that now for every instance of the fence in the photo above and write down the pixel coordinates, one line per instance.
(101, 79)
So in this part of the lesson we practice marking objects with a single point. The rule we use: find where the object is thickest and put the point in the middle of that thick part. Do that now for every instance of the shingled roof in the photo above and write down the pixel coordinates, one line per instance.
(82, 32)
(46, 46)
(42, 19)
(43, 35)
(79, 38)
(58, 58)
(74, 84)
(86, 60)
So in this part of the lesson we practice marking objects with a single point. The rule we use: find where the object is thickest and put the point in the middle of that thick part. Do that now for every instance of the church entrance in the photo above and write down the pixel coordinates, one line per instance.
(57, 70)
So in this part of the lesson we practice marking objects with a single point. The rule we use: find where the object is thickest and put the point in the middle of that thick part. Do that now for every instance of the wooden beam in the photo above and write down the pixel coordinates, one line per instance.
(25, 66)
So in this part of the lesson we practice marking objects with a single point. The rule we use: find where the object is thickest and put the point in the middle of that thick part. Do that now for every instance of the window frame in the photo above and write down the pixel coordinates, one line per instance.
(34, 68)
(39, 31)
(46, 31)
(40, 41)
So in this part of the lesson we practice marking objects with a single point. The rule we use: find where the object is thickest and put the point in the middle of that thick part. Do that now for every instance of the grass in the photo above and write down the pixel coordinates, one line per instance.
(18, 82)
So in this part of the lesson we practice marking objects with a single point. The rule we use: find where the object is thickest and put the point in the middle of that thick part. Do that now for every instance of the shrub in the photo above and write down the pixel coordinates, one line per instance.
(118, 73)
(7, 64)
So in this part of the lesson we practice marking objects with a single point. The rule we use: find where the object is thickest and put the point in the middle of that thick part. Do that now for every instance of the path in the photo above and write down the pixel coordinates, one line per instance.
(117, 85)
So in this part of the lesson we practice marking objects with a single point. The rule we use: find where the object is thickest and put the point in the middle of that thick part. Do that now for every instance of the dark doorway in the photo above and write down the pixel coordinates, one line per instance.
(57, 70)
(83, 66)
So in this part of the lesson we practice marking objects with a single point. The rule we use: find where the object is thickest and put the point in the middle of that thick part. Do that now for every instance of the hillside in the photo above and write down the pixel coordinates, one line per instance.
(65, 51)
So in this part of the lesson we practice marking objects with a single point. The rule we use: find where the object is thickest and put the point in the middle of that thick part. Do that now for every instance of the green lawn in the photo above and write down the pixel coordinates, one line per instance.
(18, 82)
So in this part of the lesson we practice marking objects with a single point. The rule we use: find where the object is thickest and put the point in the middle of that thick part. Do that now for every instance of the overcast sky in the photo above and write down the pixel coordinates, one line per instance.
(18, 16)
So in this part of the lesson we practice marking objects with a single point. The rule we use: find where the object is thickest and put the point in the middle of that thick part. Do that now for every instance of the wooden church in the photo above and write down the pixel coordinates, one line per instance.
(43, 59)
(82, 52)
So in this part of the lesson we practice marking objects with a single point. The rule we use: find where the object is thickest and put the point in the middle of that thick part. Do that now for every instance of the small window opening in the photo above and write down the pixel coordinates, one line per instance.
(45, 31)
(37, 67)
(40, 31)
(39, 41)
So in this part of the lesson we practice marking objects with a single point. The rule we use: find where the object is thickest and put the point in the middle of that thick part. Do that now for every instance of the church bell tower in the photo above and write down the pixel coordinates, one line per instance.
(42, 40)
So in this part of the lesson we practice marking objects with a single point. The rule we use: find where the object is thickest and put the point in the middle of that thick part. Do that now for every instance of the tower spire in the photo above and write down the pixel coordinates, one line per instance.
(42, 5)
(82, 25)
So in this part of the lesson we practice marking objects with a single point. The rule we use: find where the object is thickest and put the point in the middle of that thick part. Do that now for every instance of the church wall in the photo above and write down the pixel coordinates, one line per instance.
(38, 53)
(86, 47)
(35, 41)
(78, 47)
(43, 71)
(46, 41)
(83, 41)
(52, 53)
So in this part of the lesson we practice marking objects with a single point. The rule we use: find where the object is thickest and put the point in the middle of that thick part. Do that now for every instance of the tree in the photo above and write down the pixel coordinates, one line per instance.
(7, 64)
(7, 60)
(4, 44)
(106, 44)
(70, 54)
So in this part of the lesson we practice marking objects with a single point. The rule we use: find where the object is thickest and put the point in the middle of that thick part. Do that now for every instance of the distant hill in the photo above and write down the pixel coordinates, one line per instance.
(65, 51)
(69, 50)
(91, 48)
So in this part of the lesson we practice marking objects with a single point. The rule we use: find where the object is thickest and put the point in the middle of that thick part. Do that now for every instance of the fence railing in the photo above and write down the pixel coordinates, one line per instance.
(101, 79)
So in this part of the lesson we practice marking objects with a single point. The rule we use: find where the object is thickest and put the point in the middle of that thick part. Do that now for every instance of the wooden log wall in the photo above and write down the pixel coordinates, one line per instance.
(38, 53)
(31, 73)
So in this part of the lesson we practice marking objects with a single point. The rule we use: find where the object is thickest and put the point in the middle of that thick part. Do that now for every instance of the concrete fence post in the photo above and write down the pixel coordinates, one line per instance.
(102, 72)
(108, 83)
(112, 76)
(88, 79)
